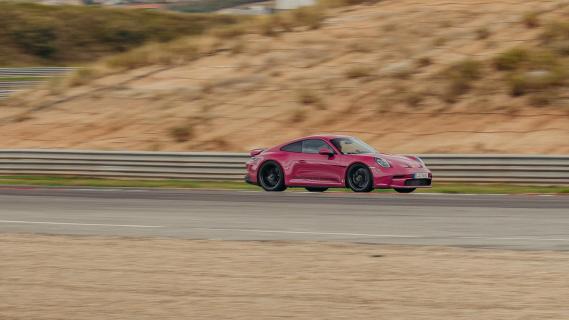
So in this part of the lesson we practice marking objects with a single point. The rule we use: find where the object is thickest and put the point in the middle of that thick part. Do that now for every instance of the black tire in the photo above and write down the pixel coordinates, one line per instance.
(271, 177)
(405, 190)
(359, 178)
(316, 189)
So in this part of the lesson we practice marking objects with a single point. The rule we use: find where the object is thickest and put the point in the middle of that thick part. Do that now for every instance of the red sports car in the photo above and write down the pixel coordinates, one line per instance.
(329, 161)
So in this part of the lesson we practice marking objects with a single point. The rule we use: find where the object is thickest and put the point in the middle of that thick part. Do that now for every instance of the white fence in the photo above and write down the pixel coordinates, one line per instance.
(231, 166)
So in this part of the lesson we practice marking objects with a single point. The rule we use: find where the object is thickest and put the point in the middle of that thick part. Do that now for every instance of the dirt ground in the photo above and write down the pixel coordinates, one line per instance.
(376, 71)
(65, 277)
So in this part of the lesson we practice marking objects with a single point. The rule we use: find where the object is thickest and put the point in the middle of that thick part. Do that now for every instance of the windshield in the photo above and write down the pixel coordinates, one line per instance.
(349, 145)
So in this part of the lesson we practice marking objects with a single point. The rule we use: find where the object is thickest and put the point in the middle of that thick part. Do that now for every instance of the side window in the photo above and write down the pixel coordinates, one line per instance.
(314, 145)
(293, 147)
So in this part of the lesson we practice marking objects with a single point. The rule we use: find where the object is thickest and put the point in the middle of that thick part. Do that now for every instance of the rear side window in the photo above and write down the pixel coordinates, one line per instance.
(293, 147)
(314, 145)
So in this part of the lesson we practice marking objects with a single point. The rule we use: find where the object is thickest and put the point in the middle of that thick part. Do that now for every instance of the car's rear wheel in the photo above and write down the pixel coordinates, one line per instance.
(316, 189)
(271, 177)
(405, 190)
(359, 178)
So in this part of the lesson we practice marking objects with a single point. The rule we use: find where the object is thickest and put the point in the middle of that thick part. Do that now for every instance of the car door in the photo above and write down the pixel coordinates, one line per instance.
(313, 168)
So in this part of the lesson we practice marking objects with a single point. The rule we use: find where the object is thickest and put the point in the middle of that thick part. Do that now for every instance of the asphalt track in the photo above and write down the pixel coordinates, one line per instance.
(524, 222)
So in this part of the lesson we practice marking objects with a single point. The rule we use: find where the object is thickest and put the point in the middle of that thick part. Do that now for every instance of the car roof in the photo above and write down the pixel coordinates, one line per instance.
(315, 136)
(322, 136)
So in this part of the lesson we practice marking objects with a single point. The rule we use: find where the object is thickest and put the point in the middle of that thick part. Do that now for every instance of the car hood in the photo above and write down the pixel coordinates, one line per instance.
(396, 161)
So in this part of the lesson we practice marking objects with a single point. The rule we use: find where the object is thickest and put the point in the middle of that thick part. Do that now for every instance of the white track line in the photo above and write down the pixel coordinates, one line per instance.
(312, 233)
(79, 224)
(514, 238)
(369, 235)
(316, 233)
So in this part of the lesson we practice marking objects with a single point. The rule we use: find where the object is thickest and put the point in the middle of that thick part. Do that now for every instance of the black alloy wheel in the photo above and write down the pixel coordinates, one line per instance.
(271, 177)
(360, 178)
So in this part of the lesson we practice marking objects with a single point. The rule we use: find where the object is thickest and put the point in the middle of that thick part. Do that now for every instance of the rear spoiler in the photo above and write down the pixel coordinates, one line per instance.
(255, 152)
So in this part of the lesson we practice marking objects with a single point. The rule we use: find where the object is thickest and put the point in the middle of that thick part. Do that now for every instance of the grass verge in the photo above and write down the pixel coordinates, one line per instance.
(16, 79)
(238, 185)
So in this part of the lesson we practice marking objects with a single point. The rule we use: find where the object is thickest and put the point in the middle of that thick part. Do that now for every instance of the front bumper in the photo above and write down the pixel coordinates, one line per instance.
(407, 180)
(249, 180)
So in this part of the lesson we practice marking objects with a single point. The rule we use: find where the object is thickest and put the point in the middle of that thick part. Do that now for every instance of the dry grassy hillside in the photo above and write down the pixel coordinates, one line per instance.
(407, 76)
(36, 34)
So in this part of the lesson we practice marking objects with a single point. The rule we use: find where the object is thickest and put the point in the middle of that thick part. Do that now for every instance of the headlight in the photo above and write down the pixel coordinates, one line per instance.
(382, 162)
(253, 160)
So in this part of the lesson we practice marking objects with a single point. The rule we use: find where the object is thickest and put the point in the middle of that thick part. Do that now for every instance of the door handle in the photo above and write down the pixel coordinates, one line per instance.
(301, 161)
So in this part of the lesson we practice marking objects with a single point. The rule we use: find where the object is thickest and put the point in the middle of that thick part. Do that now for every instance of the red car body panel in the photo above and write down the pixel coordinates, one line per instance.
(318, 170)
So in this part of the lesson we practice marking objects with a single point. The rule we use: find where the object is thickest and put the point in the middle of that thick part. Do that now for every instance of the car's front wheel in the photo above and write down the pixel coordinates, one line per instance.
(316, 189)
(360, 178)
(271, 177)
(405, 190)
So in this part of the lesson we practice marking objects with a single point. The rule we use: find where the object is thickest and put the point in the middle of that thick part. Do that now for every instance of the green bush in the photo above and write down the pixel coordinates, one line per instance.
(522, 83)
(306, 96)
(556, 37)
(532, 70)
(558, 30)
(519, 58)
(460, 77)
(181, 133)
(40, 34)
(531, 19)
(202, 6)
(355, 72)
(511, 59)
(468, 70)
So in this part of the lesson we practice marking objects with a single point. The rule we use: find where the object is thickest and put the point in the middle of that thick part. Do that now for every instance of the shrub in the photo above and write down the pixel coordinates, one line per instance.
(202, 6)
(440, 41)
(268, 27)
(541, 99)
(467, 69)
(357, 72)
(360, 46)
(343, 3)
(482, 33)
(130, 60)
(36, 39)
(413, 99)
(307, 97)
(531, 70)
(556, 36)
(82, 76)
(511, 59)
(530, 81)
(174, 52)
(311, 17)
(238, 47)
(298, 116)
(460, 77)
(424, 62)
(531, 19)
(229, 32)
(35, 33)
(181, 133)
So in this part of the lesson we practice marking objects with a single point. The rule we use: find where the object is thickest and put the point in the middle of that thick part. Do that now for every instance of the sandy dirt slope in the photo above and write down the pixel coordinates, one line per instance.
(63, 277)
(377, 71)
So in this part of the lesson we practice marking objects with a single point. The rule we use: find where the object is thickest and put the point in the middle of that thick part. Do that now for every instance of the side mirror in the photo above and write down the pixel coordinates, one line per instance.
(326, 152)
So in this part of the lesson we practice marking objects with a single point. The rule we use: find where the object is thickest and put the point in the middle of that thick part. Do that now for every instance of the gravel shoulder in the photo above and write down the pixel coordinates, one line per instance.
(73, 277)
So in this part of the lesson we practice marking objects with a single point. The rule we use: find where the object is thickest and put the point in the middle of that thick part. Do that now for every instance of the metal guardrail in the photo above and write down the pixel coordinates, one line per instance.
(9, 85)
(35, 71)
(231, 166)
